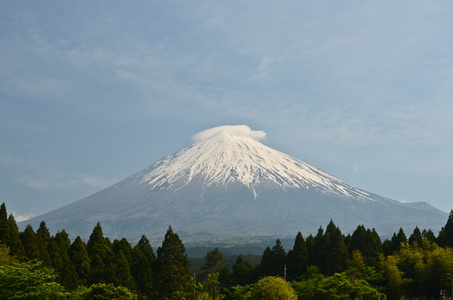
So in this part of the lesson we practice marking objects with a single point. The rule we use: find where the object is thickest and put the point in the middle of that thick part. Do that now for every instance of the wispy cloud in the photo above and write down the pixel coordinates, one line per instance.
(40, 177)
(22, 217)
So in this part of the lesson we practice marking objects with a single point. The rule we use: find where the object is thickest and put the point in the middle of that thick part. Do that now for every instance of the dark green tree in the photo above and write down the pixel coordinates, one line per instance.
(334, 252)
(79, 256)
(393, 245)
(172, 267)
(30, 243)
(429, 235)
(416, 237)
(273, 260)
(358, 239)
(143, 262)
(43, 236)
(9, 234)
(5, 230)
(310, 241)
(317, 251)
(63, 265)
(445, 237)
(123, 246)
(373, 249)
(297, 258)
(214, 263)
(100, 255)
(243, 272)
(15, 244)
(118, 272)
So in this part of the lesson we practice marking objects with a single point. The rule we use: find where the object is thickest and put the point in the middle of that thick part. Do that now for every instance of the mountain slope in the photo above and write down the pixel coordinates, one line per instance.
(229, 185)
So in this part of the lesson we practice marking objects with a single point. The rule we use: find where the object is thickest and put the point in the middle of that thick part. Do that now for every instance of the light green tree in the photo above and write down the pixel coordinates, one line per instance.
(210, 288)
(29, 281)
(239, 292)
(102, 291)
(272, 288)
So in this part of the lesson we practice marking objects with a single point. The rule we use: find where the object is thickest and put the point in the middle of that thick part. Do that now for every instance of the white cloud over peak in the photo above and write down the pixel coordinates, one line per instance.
(240, 130)
(23, 217)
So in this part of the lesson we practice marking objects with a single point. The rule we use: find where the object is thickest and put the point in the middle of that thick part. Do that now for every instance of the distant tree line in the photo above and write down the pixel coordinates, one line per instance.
(328, 265)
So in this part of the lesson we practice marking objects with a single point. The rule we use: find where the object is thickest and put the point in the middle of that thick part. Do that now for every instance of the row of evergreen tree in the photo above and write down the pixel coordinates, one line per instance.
(166, 274)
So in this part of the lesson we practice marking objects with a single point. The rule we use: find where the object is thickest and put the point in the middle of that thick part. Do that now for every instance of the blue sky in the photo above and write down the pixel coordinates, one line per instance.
(94, 91)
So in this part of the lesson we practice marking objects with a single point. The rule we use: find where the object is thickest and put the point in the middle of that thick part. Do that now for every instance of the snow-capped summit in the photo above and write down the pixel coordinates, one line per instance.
(228, 185)
(229, 154)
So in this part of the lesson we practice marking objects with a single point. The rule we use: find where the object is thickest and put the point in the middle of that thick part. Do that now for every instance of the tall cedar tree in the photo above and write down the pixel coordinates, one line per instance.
(316, 252)
(394, 244)
(445, 236)
(214, 263)
(334, 252)
(118, 272)
(5, 229)
(368, 243)
(79, 257)
(358, 239)
(373, 249)
(100, 255)
(43, 236)
(123, 246)
(143, 262)
(415, 237)
(9, 234)
(30, 243)
(172, 266)
(65, 269)
(120, 268)
(243, 272)
(273, 260)
(429, 235)
(297, 258)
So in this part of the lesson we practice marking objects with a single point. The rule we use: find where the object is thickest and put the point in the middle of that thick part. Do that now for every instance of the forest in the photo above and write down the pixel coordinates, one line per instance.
(327, 265)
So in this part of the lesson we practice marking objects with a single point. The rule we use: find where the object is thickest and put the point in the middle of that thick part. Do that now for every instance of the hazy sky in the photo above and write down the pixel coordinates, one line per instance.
(94, 91)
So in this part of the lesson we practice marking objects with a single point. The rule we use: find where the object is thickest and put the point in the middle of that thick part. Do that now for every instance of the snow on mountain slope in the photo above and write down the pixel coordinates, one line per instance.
(229, 185)
(228, 155)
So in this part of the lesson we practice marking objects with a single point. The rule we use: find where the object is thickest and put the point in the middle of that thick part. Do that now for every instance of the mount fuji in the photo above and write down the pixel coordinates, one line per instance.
(228, 185)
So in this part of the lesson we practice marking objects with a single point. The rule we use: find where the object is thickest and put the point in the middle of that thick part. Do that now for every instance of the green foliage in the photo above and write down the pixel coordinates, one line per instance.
(210, 288)
(9, 233)
(418, 269)
(30, 243)
(29, 281)
(214, 263)
(142, 269)
(239, 292)
(102, 291)
(395, 243)
(273, 260)
(5, 257)
(415, 237)
(272, 288)
(100, 256)
(43, 236)
(338, 286)
(243, 272)
(59, 253)
(297, 258)
(79, 257)
(333, 253)
(172, 266)
(396, 283)
(445, 237)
